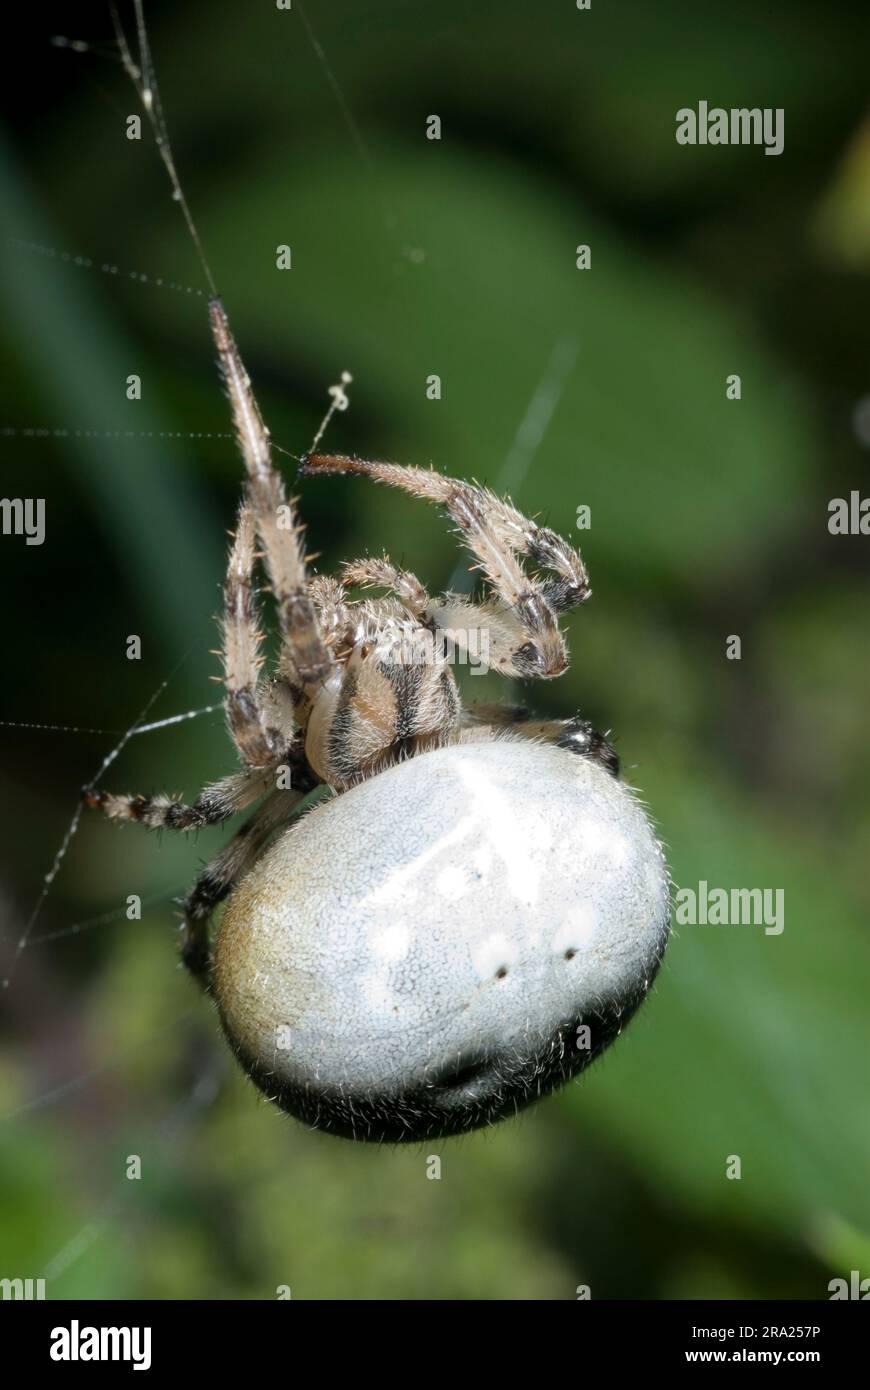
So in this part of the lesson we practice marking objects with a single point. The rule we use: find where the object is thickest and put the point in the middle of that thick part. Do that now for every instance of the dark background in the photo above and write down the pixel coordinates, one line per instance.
(709, 518)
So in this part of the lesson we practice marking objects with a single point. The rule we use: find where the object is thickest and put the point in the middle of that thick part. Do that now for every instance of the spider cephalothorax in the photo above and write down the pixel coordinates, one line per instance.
(478, 909)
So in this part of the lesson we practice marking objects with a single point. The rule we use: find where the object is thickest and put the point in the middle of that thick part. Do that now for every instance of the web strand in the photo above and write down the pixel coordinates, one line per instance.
(344, 108)
(136, 727)
(116, 914)
(175, 1133)
(139, 729)
(144, 80)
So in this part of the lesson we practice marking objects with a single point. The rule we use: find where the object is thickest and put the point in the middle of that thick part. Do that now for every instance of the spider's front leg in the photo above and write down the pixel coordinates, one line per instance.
(258, 744)
(488, 634)
(526, 614)
(305, 657)
(260, 722)
(462, 621)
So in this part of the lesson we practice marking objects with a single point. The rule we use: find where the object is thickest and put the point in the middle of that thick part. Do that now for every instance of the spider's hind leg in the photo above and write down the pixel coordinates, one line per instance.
(215, 804)
(575, 735)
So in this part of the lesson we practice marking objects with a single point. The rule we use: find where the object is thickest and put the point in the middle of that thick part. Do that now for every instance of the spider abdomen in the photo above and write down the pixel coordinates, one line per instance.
(445, 942)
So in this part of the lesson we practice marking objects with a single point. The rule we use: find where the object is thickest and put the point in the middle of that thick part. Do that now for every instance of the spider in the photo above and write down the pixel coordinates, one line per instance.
(478, 908)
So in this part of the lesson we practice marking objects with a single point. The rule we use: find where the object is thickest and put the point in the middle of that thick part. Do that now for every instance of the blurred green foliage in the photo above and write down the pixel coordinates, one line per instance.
(708, 518)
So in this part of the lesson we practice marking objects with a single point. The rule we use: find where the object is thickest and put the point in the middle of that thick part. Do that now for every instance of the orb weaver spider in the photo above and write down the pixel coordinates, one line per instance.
(477, 910)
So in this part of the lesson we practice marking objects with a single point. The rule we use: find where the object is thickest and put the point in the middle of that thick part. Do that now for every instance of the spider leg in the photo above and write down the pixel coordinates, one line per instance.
(219, 877)
(384, 574)
(496, 533)
(575, 735)
(258, 744)
(332, 607)
(489, 634)
(216, 803)
(349, 624)
(307, 658)
(404, 612)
